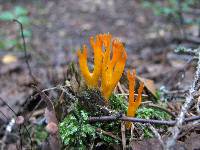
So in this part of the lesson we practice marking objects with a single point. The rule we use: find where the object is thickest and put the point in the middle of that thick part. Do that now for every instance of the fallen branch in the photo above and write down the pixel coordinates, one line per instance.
(191, 39)
(171, 141)
(131, 119)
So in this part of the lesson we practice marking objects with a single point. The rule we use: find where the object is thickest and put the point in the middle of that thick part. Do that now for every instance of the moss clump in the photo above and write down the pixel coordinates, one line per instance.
(75, 131)
(118, 103)
(150, 113)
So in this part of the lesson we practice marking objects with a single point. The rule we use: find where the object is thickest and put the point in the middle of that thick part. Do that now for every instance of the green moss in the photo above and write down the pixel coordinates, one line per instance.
(75, 131)
(150, 113)
(40, 134)
(118, 103)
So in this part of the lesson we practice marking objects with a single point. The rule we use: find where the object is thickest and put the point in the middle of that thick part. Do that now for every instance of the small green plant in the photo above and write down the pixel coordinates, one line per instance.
(18, 12)
(21, 14)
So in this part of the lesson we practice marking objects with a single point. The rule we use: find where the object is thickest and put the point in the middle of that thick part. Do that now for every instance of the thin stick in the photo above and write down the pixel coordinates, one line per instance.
(157, 135)
(1, 99)
(108, 133)
(25, 50)
(4, 115)
(131, 119)
(198, 105)
(123, 132)
(126, 94)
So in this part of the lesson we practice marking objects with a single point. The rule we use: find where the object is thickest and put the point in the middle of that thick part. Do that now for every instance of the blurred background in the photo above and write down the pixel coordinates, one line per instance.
(55, 29)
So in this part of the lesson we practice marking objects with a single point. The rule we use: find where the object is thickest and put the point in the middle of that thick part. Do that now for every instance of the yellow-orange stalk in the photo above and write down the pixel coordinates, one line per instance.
(133, 104)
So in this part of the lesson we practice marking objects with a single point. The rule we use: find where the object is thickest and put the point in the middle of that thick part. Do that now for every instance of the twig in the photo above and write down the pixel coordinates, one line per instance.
(126, 94)
(187, 128)
(4, 102)
(131, 119)
(25, 51)
(198, 105)
(157, 135)
(120, 88)
(195, 40)
(37, 112)
(48, 89)
(45, 98)
(55, 87)
(1, 99)
(4, 115)
(171, 141)
(123, 132)
(52, 121)
(68, 94)
(33, 111)
(108, 133)
(44, 90)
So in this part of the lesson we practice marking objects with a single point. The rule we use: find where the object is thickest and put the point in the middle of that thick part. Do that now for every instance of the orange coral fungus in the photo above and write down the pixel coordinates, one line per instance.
(107, 69)
(133, 104)
(112, 69)
(91, 78)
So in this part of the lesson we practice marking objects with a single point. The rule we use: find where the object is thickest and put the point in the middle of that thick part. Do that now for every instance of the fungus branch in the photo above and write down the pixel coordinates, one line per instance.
(112, 69)
(91, 79)
(133, 104)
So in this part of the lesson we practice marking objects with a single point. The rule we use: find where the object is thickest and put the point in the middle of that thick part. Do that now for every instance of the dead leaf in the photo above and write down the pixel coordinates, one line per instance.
(149, 84)
(8, 59)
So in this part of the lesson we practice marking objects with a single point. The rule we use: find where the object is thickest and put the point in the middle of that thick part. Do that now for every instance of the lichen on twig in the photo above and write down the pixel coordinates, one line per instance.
(171, 141)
